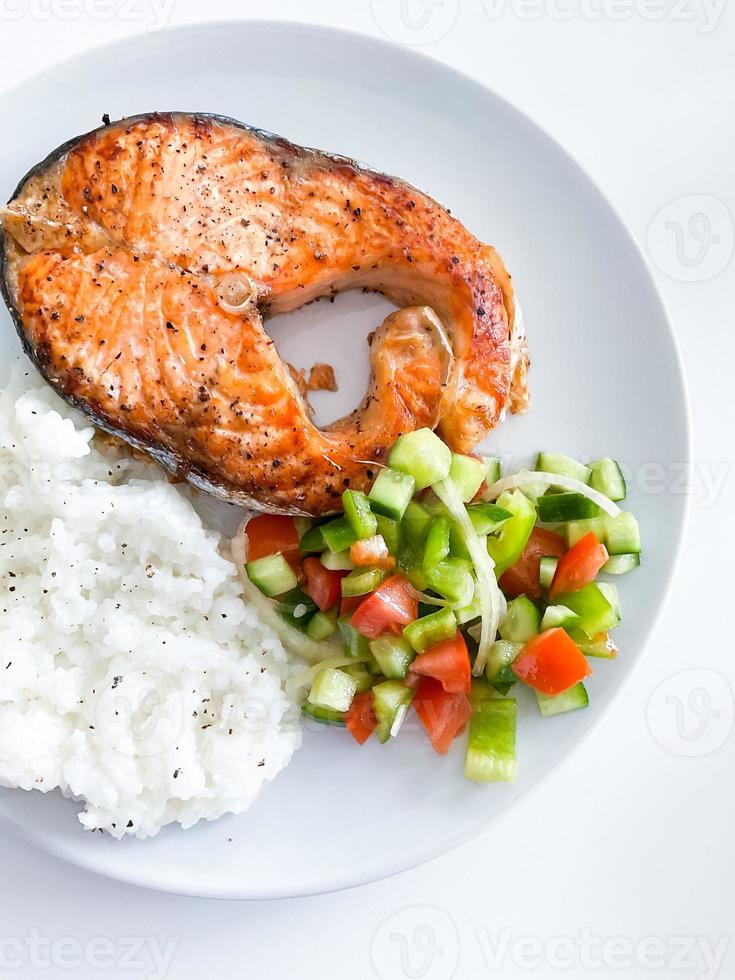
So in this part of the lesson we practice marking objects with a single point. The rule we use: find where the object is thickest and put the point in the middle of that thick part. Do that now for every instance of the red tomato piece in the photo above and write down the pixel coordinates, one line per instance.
(394, 604)
(360, 717)
(322, 584)
(272, 534)
(523, 577)
(442, 714)
(447, 662)
(551, 663)
(349, 604)
(372, 552)
(579, 566)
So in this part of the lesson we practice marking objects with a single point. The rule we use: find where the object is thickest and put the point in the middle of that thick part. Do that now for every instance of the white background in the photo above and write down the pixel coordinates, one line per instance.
(622, 863)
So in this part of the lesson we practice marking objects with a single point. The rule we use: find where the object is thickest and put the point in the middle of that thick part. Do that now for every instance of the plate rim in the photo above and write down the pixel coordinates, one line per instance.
(345, 881)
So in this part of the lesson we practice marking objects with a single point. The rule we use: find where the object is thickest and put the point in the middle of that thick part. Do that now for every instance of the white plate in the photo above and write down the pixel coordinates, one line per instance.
(605, 381)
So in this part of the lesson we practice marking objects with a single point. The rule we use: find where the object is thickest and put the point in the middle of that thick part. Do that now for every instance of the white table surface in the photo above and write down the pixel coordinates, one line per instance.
(622, 863)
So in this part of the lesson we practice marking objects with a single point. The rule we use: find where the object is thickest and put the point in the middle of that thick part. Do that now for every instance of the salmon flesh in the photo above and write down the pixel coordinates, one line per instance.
(140, 262)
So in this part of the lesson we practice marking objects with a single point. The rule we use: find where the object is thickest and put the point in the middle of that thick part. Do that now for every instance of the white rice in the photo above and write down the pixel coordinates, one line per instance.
(133, 677)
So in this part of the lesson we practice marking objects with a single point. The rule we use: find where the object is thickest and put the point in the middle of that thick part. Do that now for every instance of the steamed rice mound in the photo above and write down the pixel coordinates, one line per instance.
(133, 677)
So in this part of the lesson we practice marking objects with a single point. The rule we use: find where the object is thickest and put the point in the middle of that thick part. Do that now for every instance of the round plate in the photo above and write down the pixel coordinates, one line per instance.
(605, 380)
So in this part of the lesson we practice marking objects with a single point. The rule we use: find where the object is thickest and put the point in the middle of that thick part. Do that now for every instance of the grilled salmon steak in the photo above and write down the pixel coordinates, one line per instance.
(141, 260)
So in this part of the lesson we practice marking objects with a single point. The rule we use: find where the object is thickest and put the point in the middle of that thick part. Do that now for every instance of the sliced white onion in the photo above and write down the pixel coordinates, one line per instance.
(294, 640)
(518, 480)
(487, 586)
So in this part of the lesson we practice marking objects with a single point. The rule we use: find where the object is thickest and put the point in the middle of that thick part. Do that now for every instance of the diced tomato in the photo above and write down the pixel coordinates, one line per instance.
(394, 604)
(372, 552)
(442, 714)
(579, 566)
(272, 534)
(360, 717)
(447, 662)
(322, 584)
(349, 604)
(551, 663)
(523, 577)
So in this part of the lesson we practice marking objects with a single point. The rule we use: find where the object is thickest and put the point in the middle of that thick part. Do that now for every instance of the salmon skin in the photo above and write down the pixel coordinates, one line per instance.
(140, 261)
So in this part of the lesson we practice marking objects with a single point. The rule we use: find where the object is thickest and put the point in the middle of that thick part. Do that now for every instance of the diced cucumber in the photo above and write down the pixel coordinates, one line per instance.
(324, 715)
(505, 680)
(425, 632)
(607, 477)
(361, 675)
(557, 508)
(620, 564)
(522, 620)
(558, 616)
(321, 626)
(422, 455)
(361, 581)
(312, 541)
(432, 505)
(610, 592)
(337, 561)
(467, 474)
(356, 645)
(596, 615)
(501, 654)
(563, 466)
(576, 530)
(547, 570)
(391, 701)
(493, 469)
(297, 609)
(622, 535)
(453, 580)
(338, 535)
(416, 522)
(391, 532)
(302, 525)
(488, 518)
(491, 747)
(332, 689)
(391, 493)
(572, 700)
(436, 548)
(506, 545)
(272, 575)
(359, 516)
(601, 646)
(394, 656)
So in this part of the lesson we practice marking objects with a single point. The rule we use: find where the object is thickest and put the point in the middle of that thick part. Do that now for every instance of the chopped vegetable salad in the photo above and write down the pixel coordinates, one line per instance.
(446, 586)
